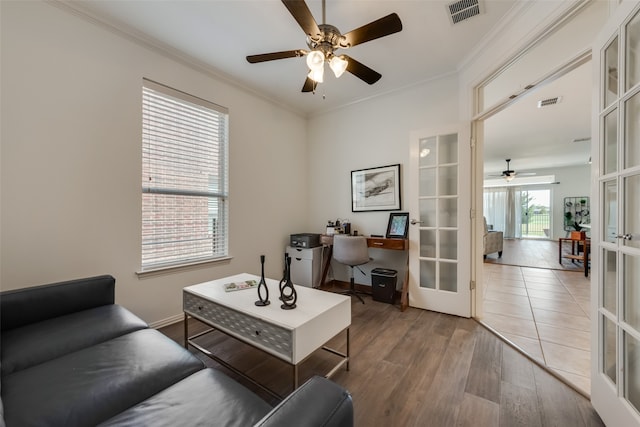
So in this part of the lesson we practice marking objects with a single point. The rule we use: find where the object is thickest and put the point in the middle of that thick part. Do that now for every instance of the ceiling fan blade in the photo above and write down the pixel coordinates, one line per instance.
(382, 27)
(362, 71)
(309, 85)
(276, 55)
(301, 13)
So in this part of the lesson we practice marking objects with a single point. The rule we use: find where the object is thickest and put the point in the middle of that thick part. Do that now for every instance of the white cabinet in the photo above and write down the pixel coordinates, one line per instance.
(306, 265)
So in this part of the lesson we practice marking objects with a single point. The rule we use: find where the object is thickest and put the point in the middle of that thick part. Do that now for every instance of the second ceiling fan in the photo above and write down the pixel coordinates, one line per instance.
(323, 40)
(509, 174)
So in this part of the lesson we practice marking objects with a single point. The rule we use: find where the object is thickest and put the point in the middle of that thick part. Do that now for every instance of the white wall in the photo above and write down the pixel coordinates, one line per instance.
(574, 182)
(71, 173)
(369, 134)
(376, 132)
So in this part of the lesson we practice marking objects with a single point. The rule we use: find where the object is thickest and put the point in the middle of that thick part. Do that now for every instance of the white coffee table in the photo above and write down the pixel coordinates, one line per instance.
(290, 335)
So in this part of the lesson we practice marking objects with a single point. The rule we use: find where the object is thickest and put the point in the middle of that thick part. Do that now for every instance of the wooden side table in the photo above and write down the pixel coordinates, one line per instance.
(575, 251)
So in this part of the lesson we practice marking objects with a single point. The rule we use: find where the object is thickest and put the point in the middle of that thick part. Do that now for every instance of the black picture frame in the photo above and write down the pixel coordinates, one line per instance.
(376, 189)
(398, 226)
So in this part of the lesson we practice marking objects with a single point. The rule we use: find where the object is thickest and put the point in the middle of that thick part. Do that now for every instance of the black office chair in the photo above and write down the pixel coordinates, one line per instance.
(351, 251)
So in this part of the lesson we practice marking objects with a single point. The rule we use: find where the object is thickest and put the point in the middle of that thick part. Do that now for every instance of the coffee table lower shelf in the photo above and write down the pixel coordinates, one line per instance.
(189, 341)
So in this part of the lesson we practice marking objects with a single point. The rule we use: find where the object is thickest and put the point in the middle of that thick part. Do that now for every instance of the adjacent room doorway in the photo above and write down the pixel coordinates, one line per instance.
(542, 311)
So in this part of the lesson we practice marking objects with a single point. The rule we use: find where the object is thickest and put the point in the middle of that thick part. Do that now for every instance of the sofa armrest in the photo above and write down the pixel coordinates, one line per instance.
(24, 306)
(318, 402)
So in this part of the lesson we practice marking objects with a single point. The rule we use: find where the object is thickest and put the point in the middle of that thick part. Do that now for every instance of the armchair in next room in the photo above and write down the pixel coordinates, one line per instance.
(492, 241)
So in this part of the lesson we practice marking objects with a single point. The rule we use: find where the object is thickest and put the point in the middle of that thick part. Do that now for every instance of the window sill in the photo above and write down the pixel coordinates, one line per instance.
(170, 269)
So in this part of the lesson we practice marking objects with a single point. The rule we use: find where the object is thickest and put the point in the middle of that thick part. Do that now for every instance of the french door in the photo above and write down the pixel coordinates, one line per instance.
(615, 370)
(439, 193)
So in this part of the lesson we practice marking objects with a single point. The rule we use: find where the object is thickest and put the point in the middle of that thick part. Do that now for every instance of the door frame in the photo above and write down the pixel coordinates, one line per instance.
(477, 132)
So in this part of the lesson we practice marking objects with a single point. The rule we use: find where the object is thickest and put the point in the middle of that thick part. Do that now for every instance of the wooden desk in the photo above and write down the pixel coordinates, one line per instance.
(575, 251)
(377, 243)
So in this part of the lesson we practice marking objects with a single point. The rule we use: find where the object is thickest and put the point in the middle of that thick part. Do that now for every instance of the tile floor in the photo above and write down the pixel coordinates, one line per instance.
(545, 313)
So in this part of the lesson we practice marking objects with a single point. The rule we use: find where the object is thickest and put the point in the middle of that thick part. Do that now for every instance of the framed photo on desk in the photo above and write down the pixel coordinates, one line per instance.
(398, 225)
(376, 189)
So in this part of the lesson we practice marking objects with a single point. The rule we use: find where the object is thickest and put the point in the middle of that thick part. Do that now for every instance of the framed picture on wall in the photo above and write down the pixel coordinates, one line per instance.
(398, 225)
(376, 189)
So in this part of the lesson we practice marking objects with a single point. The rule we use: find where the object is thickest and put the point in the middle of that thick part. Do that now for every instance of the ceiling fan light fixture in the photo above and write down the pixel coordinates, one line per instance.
(317, 75)
(315, 60)
(509, 177)
(338, 65)
(324, 39)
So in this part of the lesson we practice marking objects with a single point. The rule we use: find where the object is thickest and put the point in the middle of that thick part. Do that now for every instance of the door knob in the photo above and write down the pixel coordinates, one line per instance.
(414, 222)
(624, 236)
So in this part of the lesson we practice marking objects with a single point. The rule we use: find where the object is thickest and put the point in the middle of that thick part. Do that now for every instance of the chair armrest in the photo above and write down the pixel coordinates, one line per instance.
(495, 234)
(24, 306)
(493, 242)
(318, 402)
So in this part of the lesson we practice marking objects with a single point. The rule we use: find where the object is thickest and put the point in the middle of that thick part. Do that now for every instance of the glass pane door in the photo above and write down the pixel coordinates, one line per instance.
(439, 280)
(615, 381)
(438, 193)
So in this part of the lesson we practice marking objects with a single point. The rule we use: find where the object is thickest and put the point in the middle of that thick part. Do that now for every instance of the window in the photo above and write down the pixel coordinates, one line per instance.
(519, 212)
(184, 178)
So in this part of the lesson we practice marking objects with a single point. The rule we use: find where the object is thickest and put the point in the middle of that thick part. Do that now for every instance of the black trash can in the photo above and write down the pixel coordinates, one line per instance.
(383, 284)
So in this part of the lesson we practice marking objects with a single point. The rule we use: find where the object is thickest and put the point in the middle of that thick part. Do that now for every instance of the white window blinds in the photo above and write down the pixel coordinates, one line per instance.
(184, 178)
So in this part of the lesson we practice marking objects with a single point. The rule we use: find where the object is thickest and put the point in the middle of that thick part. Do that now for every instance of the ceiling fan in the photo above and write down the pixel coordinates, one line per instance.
(323, 40)
(509, 174)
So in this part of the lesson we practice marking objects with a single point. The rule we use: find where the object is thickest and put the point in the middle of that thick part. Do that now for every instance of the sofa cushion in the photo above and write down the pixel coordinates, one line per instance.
(91, 385)
(20, 307)
(38, 342)
(205, 398)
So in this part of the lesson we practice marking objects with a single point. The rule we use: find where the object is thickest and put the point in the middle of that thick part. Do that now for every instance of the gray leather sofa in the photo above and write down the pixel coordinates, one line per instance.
(71, 357)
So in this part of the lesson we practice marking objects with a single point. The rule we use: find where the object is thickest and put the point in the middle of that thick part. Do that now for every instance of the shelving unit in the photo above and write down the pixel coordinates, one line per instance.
(576, 209)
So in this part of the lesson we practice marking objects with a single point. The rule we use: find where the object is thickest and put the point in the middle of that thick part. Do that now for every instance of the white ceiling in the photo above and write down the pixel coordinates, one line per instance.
(538, 138)
(219, 34)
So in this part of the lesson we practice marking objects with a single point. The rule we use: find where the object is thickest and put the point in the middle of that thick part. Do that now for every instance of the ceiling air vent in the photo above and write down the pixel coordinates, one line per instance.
(462, 10)
(549, 101)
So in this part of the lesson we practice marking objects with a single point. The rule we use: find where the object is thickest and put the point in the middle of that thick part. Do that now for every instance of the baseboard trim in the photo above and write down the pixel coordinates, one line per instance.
(168, 321)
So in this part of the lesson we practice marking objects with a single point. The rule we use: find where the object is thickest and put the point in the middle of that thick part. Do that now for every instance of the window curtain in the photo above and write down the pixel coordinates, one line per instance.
(495, 207)
(502, 208)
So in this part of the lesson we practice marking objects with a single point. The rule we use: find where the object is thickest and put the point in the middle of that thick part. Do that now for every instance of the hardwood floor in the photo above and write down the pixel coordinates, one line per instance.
(417, 368)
